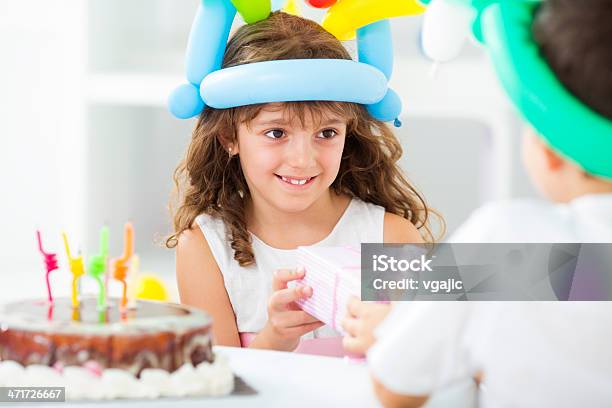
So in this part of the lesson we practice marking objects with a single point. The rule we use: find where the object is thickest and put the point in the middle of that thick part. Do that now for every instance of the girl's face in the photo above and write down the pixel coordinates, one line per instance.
(288, 164)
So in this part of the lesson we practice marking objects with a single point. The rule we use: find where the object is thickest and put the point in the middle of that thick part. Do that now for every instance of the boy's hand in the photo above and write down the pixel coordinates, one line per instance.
(360, 323)
(286, 321)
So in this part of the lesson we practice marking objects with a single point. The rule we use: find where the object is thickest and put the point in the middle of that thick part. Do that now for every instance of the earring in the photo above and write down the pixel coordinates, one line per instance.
(230, 152)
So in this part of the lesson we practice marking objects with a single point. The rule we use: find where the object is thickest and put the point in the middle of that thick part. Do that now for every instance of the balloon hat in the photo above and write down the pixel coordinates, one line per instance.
(504, 27)
(293, 80)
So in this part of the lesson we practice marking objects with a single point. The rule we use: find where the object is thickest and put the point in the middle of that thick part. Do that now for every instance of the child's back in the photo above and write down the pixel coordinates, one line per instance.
(587, 218)
(528, 354)
(540, 354)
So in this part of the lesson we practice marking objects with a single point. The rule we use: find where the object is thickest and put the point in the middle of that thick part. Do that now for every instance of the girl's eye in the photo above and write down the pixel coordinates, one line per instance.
(275, 133)
(328, 133)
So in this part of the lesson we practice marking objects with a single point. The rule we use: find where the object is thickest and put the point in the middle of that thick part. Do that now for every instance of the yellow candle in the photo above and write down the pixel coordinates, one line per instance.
(77, 267)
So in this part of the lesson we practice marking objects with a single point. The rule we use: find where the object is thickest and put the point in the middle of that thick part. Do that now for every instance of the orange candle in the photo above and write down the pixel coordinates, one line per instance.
(120, 265)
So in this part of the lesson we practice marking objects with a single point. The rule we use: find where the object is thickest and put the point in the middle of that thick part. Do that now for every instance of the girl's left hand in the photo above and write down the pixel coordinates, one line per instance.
(360, 323)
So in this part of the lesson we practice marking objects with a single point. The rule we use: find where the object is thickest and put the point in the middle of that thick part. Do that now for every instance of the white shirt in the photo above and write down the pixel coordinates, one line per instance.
(585, 219)
(539, 354)
(532, 354)
(249, 288)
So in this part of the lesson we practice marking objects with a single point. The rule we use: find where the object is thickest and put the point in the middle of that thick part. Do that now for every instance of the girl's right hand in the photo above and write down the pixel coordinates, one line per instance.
(286, 321)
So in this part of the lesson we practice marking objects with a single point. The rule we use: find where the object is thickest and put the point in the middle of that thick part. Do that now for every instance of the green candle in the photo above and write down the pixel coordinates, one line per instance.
(97, 267)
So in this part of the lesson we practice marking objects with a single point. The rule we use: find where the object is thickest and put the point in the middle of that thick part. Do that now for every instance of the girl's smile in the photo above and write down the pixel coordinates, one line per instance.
(296, 183)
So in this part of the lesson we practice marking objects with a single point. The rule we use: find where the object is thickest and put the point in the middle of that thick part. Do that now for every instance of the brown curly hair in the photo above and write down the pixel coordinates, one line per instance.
(208, 180)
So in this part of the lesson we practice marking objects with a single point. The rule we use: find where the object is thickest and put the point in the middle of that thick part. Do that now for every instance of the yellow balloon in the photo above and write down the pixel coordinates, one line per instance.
(292, 7)
(347, 16)
(150, 287)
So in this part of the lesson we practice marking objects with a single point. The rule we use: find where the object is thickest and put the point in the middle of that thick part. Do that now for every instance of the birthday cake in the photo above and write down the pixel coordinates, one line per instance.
(148, 350)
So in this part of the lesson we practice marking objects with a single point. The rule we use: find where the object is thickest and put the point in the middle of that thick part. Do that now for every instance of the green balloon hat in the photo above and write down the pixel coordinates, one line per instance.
(572, 128)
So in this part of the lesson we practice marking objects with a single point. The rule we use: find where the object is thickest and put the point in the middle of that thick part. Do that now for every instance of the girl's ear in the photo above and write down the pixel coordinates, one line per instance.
(232, 149)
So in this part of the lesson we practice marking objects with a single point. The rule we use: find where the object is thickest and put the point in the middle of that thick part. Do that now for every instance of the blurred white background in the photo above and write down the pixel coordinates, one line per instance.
(87, 140)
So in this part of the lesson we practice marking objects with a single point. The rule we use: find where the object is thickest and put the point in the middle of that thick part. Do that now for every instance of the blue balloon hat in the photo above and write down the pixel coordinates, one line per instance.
(312, 87)
(285, 80)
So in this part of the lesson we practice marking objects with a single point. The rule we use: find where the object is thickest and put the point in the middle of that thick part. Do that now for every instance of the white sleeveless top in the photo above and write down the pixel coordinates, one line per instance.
(249, 288)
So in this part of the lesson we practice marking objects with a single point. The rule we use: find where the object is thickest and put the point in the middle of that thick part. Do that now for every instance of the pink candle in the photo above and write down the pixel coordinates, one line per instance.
(50, 264)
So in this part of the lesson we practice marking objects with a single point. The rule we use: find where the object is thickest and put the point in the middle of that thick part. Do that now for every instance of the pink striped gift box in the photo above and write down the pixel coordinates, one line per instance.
(334, 273)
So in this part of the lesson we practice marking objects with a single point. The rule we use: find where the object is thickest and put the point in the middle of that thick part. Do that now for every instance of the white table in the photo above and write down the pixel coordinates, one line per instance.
(282, 379)
(278, 379)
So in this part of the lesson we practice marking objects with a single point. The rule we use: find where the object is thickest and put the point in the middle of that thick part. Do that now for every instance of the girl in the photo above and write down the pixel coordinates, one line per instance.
(258, 181)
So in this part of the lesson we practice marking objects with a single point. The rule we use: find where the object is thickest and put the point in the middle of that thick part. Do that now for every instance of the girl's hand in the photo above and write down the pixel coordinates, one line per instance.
(286, 321)
(360, 323)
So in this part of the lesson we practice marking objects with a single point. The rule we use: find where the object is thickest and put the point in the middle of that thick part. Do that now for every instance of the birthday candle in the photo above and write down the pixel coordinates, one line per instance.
(97, 267)
(77, 268)
(50, 264)
(76, 314)
(133, 280)
(103, 315)
(120, 265)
